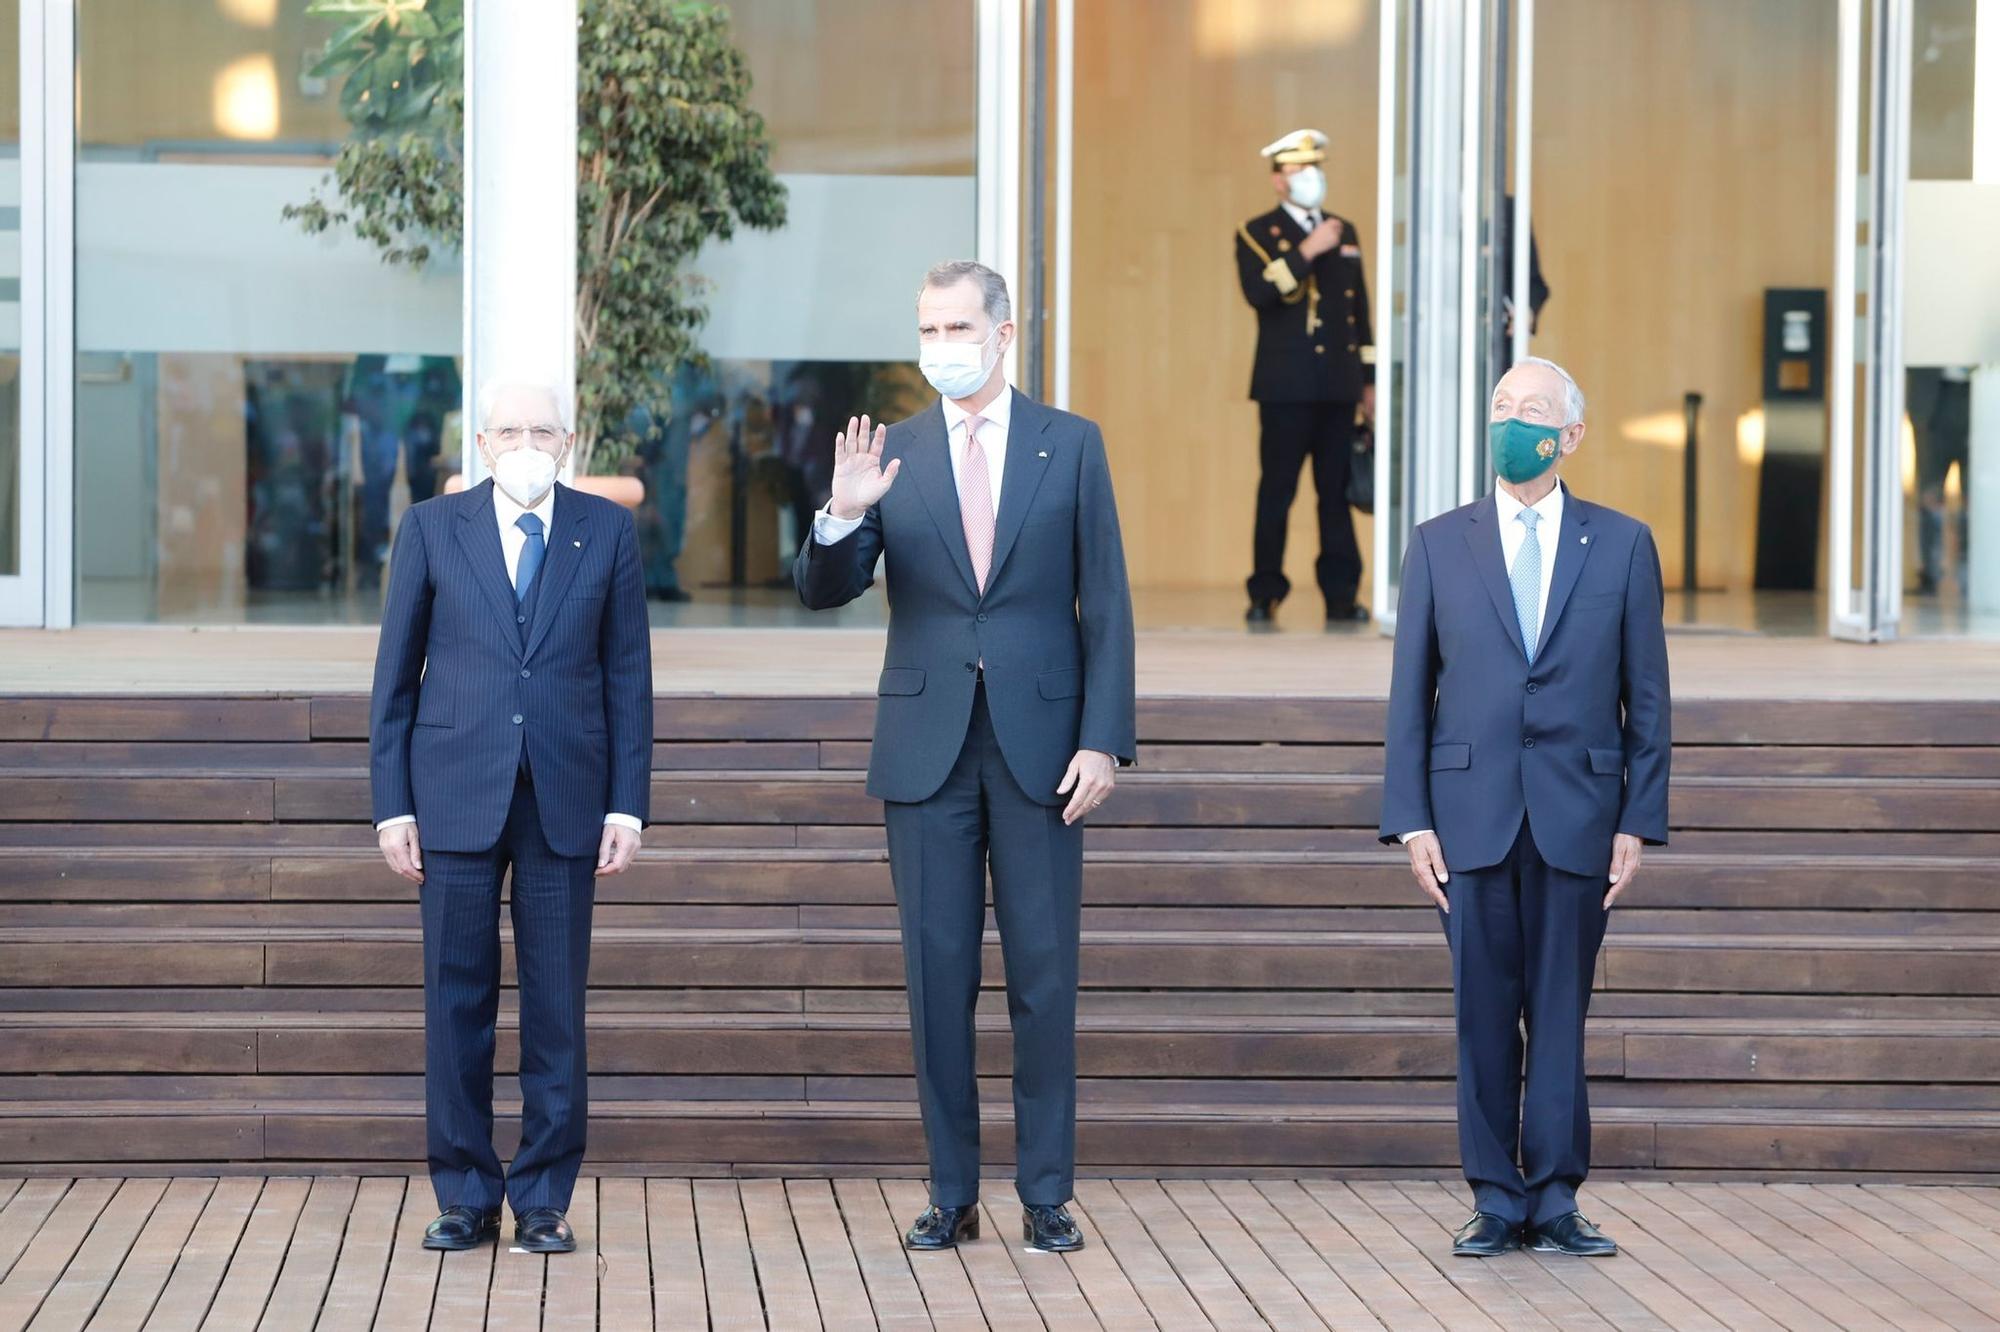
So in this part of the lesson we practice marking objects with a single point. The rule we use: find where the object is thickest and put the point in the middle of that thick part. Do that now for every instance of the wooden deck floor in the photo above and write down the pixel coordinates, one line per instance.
(334, 1252)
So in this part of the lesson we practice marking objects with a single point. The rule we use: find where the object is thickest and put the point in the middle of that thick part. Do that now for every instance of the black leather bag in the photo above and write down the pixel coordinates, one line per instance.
(1361, 470)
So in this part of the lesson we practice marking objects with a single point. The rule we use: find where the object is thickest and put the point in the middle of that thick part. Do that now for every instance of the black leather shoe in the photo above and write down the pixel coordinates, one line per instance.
(943, 1228)
(544, 1230)
(1572, 1235)
(461, 1228)
(1348, 614)
(1485, 1236)
(1262, 611)
(1050, 1229)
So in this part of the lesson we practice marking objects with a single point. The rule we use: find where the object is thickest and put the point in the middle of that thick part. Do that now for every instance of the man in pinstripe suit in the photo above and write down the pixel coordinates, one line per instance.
(511, 729)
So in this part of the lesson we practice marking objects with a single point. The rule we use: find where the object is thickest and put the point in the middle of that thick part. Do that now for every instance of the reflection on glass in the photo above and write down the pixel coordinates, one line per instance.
(1950, 344)
(255, 407)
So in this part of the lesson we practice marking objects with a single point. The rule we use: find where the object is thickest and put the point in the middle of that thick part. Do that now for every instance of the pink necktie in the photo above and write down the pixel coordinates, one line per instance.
(975, 502)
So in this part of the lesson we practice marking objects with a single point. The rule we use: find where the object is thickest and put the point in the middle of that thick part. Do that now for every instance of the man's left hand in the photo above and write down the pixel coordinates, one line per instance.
(1625, 850)
(1368, 403)
(616, 850)
(1088, 783)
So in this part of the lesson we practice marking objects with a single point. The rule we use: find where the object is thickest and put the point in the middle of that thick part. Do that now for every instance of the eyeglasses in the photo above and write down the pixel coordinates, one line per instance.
(540, 436)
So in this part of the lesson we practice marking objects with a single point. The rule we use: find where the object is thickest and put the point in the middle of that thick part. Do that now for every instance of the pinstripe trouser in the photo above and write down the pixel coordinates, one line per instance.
(551, 899)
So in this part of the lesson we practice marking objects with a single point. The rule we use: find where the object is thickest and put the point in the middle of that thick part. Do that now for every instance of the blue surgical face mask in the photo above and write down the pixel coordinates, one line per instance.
(1523, 450)
(957, 369)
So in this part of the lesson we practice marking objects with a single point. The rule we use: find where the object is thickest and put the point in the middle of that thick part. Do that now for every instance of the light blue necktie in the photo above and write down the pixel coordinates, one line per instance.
(531, 556)
(1527, 580)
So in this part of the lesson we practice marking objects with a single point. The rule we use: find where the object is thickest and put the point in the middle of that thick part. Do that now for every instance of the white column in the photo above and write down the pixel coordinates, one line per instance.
(1981, 485)
(998, 166)
(520, 199)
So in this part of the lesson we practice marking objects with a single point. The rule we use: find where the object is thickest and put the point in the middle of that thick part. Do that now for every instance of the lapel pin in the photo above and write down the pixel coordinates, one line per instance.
(1583, 541)
(579, 544)
(1043, 454)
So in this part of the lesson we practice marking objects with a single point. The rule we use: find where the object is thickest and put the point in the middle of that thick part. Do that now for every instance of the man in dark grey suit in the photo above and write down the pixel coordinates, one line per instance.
(1005, 704)
(1527, 749)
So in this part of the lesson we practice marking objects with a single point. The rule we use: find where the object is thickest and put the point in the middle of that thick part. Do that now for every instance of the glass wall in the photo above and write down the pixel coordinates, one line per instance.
(10, 288)
(1951, 330)
(255, 406)
(814, 322)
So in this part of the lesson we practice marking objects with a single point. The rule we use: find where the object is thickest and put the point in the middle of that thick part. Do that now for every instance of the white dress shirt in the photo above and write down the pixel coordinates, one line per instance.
(1307, 218)
(512, 541)
(1513, 535)
(828, 529)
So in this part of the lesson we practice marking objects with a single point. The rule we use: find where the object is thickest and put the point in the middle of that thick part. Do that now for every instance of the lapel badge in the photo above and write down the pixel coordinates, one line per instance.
(577, 544)
(1546, 449)
(1583, 541)
(1043, 454)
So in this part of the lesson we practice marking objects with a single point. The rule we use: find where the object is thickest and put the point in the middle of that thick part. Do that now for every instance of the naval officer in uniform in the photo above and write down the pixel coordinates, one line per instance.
(1301, 271)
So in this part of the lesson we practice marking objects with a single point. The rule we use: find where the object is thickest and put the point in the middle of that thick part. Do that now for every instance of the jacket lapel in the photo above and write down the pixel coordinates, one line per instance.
(1020, 476)
(1482, 534)
(566, 549)
(1572, 549)
(930, 459)
(479, 534)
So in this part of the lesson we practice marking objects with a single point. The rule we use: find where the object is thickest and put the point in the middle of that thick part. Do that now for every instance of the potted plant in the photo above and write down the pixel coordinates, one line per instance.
(670, 155)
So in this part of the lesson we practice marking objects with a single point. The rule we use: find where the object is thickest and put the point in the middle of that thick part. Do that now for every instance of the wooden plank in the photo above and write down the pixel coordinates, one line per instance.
(782, 1275)
(680, 1296)
(355, 1290)
(1711, 1258)
(625, 1269)
(1332, 1299)
(1706, 1298)
(947, 1288)
(514, 1299)
(253, 1268)
(1151, 1272)
(22, 1218)
(1554, 1299)
(72, 878)
(1343, 1254)
(1268, 1287)
(726, 1264)
(1204, 1275)
(1819, 1288)
(162, 718)
(177, 963)
(1937, 1254)
(1874, 1281)
(136, 799)
(83, 1283)
(572, 1280)
(464, 1290)
(1412, 1270)
(309, 1255)
(1051, 1285)
(1003, 1296)
(1486, 1283)
(1113, 1299)
(1607, 1300)
(836, 1275)
(410, 1287)
(205, 1258)
(143, 1275)
(42, 1262)
(878, 1251)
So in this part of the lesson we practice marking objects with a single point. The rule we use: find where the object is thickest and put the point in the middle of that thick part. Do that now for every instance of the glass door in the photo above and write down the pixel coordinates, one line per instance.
(21, 303)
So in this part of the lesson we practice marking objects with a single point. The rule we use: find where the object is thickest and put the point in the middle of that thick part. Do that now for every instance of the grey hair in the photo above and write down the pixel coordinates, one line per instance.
(1572, 395)
(490, 391)
(991, 285)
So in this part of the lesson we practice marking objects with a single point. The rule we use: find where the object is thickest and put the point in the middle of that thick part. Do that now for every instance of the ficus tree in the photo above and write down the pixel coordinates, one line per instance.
(670, 156)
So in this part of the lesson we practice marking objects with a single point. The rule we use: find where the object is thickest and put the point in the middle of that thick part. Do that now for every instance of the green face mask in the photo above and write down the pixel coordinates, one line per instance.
(1523, 450)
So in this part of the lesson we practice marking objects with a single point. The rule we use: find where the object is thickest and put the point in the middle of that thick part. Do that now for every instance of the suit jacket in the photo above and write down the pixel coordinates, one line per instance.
(1054, 627)
(1577, 742)
(1314, 339)
(462, 685)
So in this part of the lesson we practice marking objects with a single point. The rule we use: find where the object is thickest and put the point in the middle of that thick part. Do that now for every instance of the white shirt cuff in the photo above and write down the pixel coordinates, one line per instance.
(828, 529)
(624, 821)
(1408, 837)
(390, 823)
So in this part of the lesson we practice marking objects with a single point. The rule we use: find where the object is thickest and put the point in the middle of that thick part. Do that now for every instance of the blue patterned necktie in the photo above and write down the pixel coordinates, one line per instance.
(1527, 580)
(531, 556)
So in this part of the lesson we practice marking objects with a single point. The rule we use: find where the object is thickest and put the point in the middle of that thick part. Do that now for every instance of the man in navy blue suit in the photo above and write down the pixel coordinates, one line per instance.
(1005, 704)
(511, 728)
(1527, 755)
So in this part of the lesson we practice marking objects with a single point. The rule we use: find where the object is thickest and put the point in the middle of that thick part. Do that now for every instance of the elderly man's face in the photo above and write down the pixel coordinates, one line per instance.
(524, 418)
(958, 314)
(1535, 394)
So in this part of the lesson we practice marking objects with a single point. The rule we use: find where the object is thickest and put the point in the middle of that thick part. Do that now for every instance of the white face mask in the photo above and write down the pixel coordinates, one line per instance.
(525, 474)
(1308, 186)
(957, 369)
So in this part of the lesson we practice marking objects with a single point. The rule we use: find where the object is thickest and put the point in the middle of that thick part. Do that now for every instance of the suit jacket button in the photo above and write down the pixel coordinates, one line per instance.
(525, 672)
(1320, 350)
(1528, 743)
(520, 619)
(982, 617)
(1532, 687)
(517, 719)
(971, 666)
